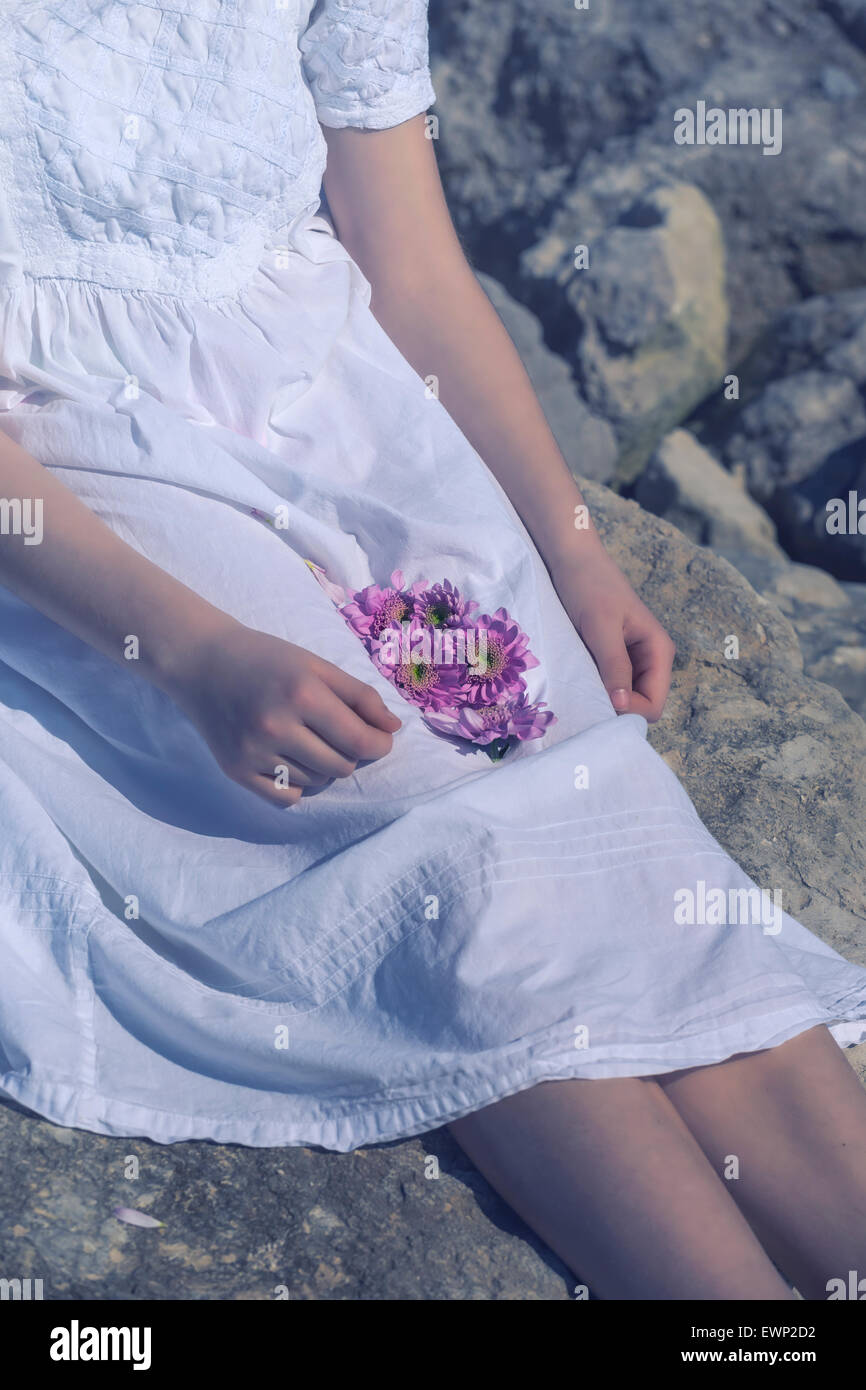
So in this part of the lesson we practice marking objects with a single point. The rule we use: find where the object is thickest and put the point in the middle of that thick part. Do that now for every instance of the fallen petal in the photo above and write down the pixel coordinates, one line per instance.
(336, 593)
(136, 1218)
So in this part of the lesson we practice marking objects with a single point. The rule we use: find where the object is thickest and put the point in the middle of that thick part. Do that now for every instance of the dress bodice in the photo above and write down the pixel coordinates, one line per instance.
(164, 146)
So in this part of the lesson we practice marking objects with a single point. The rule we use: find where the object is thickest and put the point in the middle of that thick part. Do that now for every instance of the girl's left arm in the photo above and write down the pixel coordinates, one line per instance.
(386, 197)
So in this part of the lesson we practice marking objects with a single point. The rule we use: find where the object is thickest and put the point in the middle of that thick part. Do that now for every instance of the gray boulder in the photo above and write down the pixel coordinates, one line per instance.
(786, 434)
(757, 745)
(798, 431)
(546, 98)
(851, 14)
(685, 484)
(645, 322)
(830, 621)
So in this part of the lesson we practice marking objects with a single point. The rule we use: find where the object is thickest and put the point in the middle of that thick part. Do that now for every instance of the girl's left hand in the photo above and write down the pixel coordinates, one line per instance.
(631, 649)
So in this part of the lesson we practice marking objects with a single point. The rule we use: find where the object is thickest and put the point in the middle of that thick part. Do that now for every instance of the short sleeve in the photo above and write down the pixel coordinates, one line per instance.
(367, 63)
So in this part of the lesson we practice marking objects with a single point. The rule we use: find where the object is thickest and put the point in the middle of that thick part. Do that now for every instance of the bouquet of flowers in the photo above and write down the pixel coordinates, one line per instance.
(462, 669)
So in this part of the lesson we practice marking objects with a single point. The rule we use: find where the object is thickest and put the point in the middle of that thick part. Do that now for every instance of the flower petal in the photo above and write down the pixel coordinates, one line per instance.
(136, 1218)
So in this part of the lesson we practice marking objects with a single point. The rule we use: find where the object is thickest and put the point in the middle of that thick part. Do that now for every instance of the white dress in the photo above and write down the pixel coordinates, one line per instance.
(185, 341)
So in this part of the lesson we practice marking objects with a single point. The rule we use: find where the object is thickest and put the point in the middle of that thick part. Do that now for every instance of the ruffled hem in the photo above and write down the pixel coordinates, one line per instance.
(380, 1119)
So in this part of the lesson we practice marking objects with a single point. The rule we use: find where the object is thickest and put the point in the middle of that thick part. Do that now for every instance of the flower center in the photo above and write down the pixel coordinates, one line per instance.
(493, 659)
(417, 675)
(437, 614)
(394, 609)
(491, 714)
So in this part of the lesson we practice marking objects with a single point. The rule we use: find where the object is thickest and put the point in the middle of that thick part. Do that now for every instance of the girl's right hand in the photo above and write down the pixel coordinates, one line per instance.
(272, 713)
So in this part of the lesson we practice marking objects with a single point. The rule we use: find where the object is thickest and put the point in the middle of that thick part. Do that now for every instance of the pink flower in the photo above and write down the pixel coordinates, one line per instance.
(441, 605)
(502, 655)
(464, 673)
(407, 655)
(498, 724)
(371, 610)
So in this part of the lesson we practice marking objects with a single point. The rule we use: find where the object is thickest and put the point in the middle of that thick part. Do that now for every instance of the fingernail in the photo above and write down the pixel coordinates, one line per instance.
(619, 699)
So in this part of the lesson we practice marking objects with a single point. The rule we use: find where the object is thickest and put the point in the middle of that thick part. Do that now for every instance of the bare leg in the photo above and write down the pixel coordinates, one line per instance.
(607, 1173)
(795, 1118)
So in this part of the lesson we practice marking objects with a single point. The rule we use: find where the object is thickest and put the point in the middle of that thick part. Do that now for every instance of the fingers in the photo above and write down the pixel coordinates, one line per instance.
(363, 699)
(635, 664)
(320, 738)
(282, 768)
(281, 773)
(604, 639)
(265, 787)
(344, 730)
(652, 655)
(309, 762)
(317, 760)
(276, 780)
(282, 780)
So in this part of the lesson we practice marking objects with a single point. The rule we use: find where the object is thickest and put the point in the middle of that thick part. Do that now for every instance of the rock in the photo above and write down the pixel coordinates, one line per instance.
(829, 618)
(549, 97)
(259, 1224)
(837, 84)
(798, 431)
(645, 322)
(826, 331)
(830, 622)
(792, 427)
(688, 487)
(851, 14)
(773, 761)
(587, 442)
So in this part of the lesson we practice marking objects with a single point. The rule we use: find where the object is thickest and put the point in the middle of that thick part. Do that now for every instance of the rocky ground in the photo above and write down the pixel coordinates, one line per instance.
(709, 361)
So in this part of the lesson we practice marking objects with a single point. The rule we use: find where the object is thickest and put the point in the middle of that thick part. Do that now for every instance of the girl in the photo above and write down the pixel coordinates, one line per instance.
(249, 892)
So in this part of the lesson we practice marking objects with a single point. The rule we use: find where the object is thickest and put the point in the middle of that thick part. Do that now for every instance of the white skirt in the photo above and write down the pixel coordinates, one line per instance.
(182, 960)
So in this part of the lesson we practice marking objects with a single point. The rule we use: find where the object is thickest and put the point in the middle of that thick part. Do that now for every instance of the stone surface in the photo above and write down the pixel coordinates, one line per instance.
(773, 761)
(685, 484)
(644, 320)
(851, 14)
(830, 622)
(797, 433)
(259, 1224)
(546, 98)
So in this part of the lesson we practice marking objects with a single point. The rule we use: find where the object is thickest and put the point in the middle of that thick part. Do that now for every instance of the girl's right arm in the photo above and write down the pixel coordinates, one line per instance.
(259, 702)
